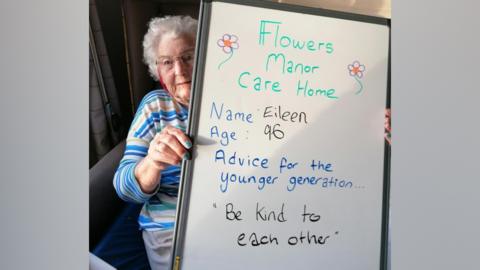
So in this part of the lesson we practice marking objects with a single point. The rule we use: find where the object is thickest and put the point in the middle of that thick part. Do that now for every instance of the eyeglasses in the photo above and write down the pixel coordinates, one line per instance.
(166, 63)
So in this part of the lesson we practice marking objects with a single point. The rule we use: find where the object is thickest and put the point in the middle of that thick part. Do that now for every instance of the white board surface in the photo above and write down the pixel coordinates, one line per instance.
(276, 210)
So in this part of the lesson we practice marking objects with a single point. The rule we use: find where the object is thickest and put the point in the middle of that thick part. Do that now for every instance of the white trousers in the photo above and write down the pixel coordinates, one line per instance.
(158, 245)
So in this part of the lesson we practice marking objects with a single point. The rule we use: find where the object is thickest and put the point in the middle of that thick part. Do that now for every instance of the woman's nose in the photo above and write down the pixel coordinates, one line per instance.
(180, 67)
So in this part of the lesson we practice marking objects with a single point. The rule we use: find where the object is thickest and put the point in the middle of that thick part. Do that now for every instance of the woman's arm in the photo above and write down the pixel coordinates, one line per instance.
(149, 150)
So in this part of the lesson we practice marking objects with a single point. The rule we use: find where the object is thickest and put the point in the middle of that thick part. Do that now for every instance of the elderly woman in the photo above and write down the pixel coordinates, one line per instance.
(156, 144)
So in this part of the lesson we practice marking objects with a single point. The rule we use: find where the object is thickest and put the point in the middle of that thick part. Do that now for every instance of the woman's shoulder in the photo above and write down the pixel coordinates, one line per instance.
(158, 95)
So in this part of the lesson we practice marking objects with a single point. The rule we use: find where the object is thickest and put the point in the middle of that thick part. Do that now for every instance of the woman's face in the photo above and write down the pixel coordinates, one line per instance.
(174, 65)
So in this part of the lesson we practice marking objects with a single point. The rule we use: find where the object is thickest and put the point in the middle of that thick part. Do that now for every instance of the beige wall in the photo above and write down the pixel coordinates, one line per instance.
(379, 8)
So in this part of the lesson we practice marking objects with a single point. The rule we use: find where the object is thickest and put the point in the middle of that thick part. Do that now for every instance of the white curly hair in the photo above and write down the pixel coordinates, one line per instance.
(157, 28)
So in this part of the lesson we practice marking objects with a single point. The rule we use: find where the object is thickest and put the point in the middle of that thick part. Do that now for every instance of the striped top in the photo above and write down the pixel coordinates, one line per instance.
(156, 111)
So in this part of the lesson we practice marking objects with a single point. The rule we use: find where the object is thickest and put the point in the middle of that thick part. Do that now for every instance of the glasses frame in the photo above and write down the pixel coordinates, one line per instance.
(186, 58)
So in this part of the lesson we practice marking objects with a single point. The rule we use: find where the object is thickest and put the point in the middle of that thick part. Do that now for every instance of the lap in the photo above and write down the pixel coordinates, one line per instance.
(158, 245)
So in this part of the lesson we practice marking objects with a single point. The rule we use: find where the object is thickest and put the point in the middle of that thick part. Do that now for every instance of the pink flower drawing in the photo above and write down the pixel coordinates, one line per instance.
(228, 43)
(356, 69)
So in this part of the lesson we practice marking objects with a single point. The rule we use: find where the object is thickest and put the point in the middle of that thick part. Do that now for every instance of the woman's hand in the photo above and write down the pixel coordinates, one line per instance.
(167, 148)
(388, 128)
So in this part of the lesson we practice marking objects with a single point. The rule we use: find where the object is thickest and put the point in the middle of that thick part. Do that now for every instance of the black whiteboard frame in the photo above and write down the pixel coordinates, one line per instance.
(194, 110)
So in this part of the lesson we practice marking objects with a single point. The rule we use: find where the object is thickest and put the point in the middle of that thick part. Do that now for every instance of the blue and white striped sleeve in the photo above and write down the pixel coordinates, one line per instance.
(142, 131)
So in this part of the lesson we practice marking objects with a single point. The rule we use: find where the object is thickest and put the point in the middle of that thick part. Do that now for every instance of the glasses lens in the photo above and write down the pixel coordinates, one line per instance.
(187, 58)
(166, 63)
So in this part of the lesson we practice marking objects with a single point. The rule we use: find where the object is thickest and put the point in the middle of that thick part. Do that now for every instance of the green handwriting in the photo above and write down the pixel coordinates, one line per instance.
(289, 66)
(286, 41)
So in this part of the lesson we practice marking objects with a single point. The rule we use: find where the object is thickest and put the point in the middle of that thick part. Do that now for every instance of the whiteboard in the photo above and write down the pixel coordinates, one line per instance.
(287, 122)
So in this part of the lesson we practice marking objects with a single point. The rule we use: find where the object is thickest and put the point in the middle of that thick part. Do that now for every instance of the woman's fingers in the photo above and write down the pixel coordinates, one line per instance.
(163, 155)
(388, 138)
(171, 144)
(181, 137)
(169, 147)
(388, 128)
(387, 119)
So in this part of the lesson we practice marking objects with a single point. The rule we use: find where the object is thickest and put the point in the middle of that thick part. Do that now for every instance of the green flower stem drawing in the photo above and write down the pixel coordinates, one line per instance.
(228, 43)
(231, 54)
(356, 70)
(361, 85)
